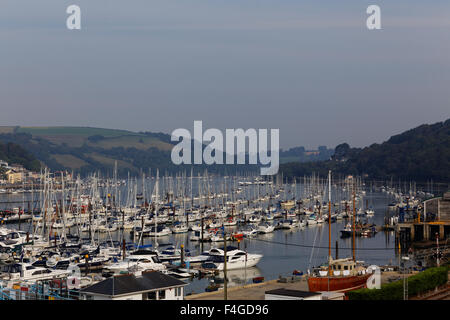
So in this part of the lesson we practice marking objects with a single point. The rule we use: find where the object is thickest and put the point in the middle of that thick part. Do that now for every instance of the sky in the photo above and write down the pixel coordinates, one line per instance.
(311, 69)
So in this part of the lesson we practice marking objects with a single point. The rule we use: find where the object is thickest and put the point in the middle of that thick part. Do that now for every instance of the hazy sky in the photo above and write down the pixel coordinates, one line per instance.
(310, 68)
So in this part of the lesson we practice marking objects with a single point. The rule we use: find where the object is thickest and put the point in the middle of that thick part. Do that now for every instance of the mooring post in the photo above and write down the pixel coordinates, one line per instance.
(123, 249)
(86, 263)
(182, 256)
(337, 250)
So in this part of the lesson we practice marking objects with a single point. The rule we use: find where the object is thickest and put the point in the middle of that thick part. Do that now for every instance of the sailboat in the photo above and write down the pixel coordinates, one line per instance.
(341, 274)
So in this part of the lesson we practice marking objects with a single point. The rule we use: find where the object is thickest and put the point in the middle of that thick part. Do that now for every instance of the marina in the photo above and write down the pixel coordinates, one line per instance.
(184, 226)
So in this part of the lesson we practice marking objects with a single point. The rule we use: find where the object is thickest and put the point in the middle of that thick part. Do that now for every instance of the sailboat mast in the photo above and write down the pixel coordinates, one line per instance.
(353, 227)
(329, 215)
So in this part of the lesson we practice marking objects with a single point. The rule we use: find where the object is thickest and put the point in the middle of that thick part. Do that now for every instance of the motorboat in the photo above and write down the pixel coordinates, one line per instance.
(28, 272)
(254, 219)
(229, 222)
(159, 231)
(197, 236)
(180, 228)
(266, 228)
(236, 259)
(250, 233)
(172, 253)
(146, 261)
(288, 224)
(218, 237)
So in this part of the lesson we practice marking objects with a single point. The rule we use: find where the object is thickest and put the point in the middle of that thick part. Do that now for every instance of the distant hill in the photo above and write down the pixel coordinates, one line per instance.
(300, 154)
(419, 154)
(85, 150)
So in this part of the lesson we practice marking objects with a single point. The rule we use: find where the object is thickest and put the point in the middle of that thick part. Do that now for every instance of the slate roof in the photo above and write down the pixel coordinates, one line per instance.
(129, 283)
(292, 293)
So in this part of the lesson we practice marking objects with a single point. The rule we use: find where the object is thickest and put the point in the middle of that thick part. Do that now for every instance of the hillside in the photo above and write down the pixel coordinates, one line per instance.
(300, 154)
(15, 154)
(85, 149)
(419, 154)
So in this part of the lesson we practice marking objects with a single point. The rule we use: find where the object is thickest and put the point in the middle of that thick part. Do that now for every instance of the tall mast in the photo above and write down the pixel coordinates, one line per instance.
(192, 193)
(156, 207)
(329, 217)
(353, 227)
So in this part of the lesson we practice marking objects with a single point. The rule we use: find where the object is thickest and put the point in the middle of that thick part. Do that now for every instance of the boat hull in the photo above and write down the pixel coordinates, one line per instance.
(341, 284)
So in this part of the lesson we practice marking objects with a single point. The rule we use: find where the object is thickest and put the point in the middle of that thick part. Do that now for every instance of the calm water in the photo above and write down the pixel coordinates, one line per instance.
(281, 250)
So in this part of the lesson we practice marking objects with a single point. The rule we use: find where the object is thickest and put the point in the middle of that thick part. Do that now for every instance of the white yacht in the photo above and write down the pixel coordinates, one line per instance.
(180, 228)
(145, 261)
(159, 231)
(250, 233)
(312, 220)
(236, 259)
(266, 228)
(28, 272)
(288, 224)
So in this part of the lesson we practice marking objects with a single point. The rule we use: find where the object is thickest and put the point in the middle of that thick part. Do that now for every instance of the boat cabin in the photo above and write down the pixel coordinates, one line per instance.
(340, 267)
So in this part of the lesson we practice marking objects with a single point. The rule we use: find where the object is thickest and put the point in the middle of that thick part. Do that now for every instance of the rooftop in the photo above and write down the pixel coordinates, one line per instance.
(129, 283)
(293, 293)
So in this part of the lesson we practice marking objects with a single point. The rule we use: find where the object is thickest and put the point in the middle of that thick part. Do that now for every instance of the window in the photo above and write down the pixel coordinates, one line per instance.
(151, 295)
(178, 292)
(162, 294)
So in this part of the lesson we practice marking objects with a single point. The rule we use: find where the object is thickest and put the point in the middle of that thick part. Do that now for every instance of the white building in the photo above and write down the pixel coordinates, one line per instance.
(151, 285)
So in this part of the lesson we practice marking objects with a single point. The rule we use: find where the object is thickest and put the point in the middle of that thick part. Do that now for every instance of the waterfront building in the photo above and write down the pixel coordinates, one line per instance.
(432, 223)
(14, 176)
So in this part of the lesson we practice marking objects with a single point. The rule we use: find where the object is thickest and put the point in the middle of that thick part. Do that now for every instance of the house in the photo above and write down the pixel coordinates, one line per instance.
(14, 176)
(17, 167)
(288, 294)
(151, 285)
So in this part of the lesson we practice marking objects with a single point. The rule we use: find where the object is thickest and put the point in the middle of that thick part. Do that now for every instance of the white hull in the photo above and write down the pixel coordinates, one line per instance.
(252, 260)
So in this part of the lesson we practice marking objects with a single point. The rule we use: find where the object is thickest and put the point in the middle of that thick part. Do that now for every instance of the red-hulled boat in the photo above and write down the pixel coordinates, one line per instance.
(344, 276)
(341, 274)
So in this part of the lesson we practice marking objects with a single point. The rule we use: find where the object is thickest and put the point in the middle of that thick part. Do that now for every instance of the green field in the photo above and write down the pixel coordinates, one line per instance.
(131, 141)
(71, 131)
(69, 161)
(78, 136)
(110, 162)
